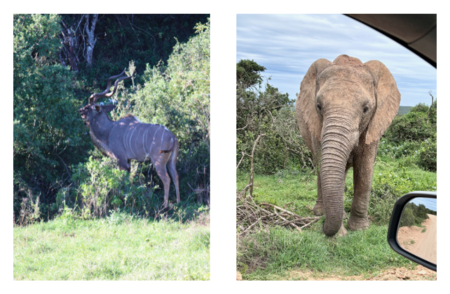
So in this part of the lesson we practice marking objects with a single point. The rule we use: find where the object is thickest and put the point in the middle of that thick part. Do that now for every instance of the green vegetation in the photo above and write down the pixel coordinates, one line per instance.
(55, 162)
(271, 254)
(119, 247)
(414, 215)
(58, 172)
(414, 134)
(264, 110)
(284, 176)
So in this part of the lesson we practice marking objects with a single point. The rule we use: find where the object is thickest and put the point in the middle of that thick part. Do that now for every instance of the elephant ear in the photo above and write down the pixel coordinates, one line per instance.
(306, 101)
(388, 100)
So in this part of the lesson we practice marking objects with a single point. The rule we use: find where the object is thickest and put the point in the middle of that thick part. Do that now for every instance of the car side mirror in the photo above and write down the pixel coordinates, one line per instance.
(412, 229)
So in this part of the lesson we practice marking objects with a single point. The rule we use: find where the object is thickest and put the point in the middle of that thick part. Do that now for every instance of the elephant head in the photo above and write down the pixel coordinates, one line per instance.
(342, 106)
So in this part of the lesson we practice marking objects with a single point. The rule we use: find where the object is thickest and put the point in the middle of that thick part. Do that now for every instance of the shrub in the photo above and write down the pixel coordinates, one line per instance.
(178, 96)
(408, 218)
(47, 127)
(414, 215)
(427, 155)
(387, 187)
(413, 126)
(101, 186)
(413, 135)
(407, 148)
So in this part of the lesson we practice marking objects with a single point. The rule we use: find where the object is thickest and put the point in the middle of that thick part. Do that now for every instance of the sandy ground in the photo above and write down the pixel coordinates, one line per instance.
(421, 244)
(393, 274)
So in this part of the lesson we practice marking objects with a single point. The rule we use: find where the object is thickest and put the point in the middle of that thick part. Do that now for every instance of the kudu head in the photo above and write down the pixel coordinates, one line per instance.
(93, 110)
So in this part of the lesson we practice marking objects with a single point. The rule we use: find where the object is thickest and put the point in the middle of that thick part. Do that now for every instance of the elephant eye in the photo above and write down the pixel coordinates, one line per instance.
(365, 109)
(319, 107)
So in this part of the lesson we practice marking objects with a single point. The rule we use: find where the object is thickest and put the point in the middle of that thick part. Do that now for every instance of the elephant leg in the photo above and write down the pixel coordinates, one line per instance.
(318, 208)
(362, 181)
(315, 148)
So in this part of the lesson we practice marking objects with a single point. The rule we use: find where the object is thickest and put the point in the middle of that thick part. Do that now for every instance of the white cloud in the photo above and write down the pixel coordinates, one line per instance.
(288, 44)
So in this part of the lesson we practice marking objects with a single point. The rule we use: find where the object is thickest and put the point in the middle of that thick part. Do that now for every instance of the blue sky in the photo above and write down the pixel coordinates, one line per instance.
(286, 45)
(429, 203)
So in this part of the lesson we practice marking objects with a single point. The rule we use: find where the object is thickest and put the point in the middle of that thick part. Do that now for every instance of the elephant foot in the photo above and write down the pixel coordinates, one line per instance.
(342, 231)
(318, 209)
(357, 223)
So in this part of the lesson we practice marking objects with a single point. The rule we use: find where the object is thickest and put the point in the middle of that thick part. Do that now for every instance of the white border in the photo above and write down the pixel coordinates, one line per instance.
(223, 179)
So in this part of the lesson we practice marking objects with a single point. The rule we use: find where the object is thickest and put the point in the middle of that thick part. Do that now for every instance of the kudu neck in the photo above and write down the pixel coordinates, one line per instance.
(101, 126)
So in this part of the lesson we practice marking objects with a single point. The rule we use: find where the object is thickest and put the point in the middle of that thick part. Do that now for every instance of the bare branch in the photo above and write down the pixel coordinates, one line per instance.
(243, 154)
(238, 129)
(91, 38)
(67, 40)
(251, 164)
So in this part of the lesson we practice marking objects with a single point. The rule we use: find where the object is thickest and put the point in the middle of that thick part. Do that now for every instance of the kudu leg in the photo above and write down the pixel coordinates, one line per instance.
(172, 166)
(124, 164)
(164, 176)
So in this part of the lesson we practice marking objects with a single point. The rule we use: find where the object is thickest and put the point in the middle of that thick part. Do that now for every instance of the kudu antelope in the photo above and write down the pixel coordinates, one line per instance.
(128, 138)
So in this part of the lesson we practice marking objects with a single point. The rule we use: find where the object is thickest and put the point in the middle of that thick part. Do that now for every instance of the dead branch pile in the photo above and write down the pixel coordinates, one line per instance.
(251, 216)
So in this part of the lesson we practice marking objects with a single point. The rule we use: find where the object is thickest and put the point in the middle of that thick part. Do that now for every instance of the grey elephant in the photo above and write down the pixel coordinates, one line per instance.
(342, 110)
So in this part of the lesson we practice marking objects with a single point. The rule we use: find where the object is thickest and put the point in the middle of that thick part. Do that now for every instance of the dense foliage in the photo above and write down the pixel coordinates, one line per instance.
(414, 215)
(144, 38)
(264, 110)
(52, 168)
(414, 135)
(47, 128)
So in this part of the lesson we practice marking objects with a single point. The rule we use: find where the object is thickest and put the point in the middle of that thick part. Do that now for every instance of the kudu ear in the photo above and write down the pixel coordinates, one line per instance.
(108, 108)
(388, 100)
(306, 100)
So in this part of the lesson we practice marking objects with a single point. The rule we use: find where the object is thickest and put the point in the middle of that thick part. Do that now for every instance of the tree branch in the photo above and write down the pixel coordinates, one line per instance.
(251, 164)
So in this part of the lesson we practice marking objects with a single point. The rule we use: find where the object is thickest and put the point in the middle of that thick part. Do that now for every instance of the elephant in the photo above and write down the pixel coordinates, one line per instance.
(342, 110)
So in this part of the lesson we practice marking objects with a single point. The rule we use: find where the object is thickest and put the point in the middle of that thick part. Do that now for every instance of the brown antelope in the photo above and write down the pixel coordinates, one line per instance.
(128, 138)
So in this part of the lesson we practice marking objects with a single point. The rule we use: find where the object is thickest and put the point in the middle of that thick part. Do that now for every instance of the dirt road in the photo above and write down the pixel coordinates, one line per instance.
(420, 273)
(420, 241)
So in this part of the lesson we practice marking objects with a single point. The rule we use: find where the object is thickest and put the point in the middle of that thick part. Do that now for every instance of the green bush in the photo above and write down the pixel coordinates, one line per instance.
(178, 96)
(413, 126)
(414, 215)
(47, 128)
(405, 149)
(387, 187)
(262, 109)
(407, 218)
(427, 155)
(102, 187)
(413, 135)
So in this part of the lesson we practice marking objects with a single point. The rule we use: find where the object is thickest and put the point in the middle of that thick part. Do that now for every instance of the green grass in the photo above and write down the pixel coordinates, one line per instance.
(270, 255)
(119, 247)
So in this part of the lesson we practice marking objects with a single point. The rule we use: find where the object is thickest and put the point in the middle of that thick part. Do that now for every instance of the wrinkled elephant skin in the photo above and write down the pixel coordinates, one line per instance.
(342, 110)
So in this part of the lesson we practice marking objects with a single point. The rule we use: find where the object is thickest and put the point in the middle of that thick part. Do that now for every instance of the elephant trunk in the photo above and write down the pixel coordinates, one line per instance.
(338, 140)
